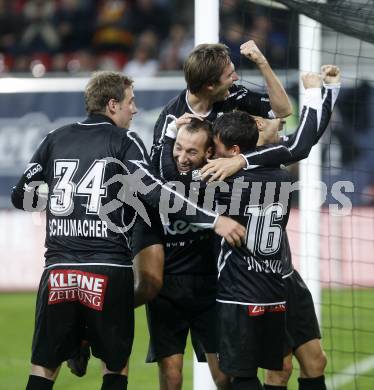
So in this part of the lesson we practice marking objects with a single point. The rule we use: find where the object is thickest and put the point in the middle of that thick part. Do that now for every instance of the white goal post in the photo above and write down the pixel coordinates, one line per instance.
(206, 31)
(310, 172)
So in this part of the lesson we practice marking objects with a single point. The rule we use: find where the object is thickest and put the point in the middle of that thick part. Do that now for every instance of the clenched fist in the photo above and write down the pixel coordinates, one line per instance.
(250, 50)
(311, 80)
(330, 74)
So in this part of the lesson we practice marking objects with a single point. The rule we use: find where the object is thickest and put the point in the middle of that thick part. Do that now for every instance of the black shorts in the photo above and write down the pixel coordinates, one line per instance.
(185, 303)
(301, 320)
(93, 302)
(250, 337)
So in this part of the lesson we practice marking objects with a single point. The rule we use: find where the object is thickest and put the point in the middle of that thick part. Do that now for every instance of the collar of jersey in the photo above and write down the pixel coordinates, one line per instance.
(97, 119)
(193, 112)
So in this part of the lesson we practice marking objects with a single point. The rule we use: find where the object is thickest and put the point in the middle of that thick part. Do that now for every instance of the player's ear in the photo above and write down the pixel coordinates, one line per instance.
(235, 149)
(260, 123)
(111, 106)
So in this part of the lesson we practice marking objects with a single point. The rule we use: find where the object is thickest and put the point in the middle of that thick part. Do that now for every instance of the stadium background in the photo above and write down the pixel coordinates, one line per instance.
(115, 34)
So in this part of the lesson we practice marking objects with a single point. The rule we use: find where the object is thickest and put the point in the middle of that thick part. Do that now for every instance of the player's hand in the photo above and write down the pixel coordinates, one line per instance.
(174, 126)
(330, 74)
(186, 118)
(311, 80)
(230, 230)
(250, 50)
(221, 168)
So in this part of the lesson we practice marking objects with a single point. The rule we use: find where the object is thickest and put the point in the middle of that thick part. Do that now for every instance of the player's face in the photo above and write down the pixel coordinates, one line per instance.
(228, 77)
(269, 132)
(126, 109)
(220, 149)
(190, 151)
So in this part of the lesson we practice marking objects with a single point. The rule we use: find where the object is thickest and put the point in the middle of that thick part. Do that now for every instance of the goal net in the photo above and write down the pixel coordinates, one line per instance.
(343, 267)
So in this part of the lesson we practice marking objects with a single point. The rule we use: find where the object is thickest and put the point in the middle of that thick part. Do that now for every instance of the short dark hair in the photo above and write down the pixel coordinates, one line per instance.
(103, 86)
(196, 125)
(205, 65)
(237, 128)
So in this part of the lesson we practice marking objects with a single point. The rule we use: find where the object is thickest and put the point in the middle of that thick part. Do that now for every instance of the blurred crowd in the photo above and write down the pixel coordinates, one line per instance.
(140, 37)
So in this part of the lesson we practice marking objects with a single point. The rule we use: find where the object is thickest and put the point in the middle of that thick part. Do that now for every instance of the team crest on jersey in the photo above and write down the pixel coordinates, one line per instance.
(74, 285)
(196, 175)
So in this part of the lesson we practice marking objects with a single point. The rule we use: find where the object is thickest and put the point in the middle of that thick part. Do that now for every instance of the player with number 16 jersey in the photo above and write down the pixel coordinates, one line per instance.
(251, 294)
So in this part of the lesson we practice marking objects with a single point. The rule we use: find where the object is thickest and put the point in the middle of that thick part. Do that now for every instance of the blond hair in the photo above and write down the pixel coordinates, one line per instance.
(102, 87)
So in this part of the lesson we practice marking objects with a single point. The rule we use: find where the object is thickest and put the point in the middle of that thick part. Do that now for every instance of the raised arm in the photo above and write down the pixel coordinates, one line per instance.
(316, 113)
(279, 101)
(315, 116)
(302, 140)
(331, 87)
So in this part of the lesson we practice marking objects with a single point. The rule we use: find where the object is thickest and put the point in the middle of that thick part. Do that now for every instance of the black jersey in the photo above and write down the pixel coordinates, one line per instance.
(260, 200)
(189, 250)
(240, 98)
(314, 119)
(96, 173)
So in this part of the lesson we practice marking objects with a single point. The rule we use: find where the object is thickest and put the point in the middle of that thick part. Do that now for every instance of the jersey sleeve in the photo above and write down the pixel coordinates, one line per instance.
(268, 156)
(24, 195)
(330, 93)
(168, 167)
(159, 136)
(255, 103)
(141, 179)
(315, 117)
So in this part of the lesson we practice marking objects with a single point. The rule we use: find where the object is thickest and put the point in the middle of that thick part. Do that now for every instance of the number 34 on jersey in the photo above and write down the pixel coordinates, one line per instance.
(68, 186)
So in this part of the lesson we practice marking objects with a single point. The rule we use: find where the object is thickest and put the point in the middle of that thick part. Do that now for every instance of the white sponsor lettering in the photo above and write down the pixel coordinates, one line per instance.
(72, 279)
(89, 299)
(53, 280)
(62, 282)
(86, 283)
(75, 285)
(62, 295)
(98, 285)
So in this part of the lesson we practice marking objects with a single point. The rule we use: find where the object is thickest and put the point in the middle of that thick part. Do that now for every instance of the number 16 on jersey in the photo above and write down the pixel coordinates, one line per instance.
(264, 231)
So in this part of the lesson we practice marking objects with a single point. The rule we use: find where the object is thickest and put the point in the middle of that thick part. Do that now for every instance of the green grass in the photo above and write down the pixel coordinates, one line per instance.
(348, 337)
(347, 334)
(348, 330)
(16, 326)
